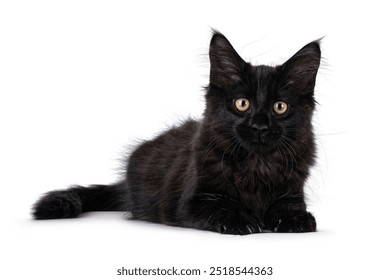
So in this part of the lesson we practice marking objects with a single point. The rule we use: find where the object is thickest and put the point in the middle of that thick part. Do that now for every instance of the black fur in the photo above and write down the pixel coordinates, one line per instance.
(231, 172)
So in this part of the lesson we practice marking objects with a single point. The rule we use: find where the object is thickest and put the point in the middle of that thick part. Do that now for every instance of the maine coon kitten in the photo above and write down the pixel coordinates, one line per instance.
(240, 169)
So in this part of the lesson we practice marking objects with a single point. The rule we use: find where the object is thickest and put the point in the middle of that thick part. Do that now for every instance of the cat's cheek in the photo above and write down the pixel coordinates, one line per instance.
(245, 134)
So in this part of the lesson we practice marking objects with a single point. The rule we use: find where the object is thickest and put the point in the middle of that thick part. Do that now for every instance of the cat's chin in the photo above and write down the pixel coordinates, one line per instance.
(257, 147)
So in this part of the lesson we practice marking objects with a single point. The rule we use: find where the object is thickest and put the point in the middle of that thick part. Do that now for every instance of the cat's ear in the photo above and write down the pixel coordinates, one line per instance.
(225, 63)
(301, 69)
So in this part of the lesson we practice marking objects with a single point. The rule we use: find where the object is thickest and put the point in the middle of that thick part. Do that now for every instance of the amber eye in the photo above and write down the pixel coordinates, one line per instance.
(242, 104)
(280, 107)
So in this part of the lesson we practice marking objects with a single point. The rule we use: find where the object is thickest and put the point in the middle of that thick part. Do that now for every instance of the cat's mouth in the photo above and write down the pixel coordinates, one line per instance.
(260, 146)
(256, 142)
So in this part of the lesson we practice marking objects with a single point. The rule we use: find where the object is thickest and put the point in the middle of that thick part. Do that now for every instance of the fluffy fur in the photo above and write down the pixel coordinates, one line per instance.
(231, 172)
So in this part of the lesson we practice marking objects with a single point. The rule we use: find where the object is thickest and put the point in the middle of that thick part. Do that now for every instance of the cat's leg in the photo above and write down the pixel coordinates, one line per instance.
(220, 213)
(289, 214)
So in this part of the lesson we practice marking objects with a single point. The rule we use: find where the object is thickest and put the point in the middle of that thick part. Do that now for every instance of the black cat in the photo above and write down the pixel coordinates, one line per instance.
(240, 169)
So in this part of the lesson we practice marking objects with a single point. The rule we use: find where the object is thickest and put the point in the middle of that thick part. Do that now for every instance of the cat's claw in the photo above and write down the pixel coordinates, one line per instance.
(241, 230)
(276, 228)
(222, 229)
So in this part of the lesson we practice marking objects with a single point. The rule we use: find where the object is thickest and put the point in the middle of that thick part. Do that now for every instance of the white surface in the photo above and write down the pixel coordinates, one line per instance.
(81, 80)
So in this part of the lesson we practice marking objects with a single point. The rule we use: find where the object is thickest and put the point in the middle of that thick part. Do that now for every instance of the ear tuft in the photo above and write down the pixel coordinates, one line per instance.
(225, 63)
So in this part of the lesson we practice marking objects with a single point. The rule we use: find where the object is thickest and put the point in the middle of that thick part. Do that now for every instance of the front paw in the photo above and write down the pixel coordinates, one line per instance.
(221, 213)
(237, 223)
(304, 222)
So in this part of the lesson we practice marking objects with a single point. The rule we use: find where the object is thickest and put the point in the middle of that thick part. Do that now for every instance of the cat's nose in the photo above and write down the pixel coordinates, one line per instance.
(260, 128)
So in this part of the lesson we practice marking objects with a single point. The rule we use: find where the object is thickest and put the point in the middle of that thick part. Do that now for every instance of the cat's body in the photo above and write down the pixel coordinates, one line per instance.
(241, 169)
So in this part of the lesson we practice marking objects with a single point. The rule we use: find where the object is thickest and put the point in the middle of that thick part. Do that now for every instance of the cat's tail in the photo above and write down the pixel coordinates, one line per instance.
(71, 202)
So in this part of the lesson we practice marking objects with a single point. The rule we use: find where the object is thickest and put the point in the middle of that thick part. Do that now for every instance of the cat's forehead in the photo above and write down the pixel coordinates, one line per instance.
(263, 74)
(264, 79)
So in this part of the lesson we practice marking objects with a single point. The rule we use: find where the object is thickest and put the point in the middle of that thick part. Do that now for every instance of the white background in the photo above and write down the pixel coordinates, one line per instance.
(80, 81)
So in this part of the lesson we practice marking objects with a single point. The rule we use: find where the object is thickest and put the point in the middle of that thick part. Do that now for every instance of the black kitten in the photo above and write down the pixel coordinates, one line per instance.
(239, 170)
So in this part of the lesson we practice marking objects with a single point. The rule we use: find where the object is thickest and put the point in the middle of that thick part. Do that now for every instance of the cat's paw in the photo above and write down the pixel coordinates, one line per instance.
(239, 229)
(235, 223)
(304, 222)
(223, 214)
(57, 204)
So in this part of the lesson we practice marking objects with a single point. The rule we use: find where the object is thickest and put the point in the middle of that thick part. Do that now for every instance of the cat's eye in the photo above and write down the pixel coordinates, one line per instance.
(280, 107)
(242, 104)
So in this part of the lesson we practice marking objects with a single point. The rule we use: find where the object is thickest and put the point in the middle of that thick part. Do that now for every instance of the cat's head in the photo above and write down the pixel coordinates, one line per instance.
(263, 107)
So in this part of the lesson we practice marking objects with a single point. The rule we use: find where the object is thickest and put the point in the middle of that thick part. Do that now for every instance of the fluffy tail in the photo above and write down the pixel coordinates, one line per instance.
(72, 202)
